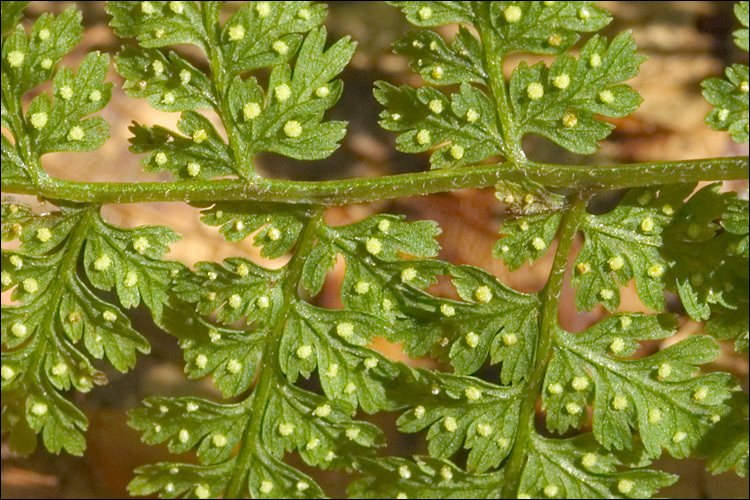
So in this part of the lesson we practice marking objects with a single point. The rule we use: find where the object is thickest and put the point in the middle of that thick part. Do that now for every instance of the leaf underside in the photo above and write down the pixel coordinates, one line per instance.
(297, 378)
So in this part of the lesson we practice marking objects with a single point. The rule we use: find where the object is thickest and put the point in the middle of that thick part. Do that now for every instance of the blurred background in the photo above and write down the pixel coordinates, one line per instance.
(686, 42)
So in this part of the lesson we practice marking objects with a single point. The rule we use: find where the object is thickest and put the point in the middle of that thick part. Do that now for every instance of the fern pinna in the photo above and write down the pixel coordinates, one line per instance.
(608, 411)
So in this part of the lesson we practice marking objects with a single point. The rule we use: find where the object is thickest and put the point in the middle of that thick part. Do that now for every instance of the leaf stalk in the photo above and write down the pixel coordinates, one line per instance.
(350, 191)
(548, 322)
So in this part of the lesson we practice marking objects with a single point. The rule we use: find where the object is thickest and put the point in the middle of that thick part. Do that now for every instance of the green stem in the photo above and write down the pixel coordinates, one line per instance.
(548, 323)
(493, 63)
(21, 133)
(66, 271)
(220, 84)
(348, 191)
(269, 370)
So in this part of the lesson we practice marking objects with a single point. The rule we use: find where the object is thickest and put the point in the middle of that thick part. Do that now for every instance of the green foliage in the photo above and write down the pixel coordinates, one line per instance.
(586, 368)
(726, 444)
(659, 241)
(31, 58)
(280, 226)
(429, 477)
(729, 96)
(478, 415)
(428, 118)
(558, 101)
(582, 469)
(296, 377)
(61, 315)
(527, 239)
(286, 118)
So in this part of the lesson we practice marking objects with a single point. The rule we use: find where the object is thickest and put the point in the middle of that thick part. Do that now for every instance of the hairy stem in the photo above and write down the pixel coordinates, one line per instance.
(269, 370)
(220, 84)
(493, 63)
(547, 322)
(348, 191)
(14, 115)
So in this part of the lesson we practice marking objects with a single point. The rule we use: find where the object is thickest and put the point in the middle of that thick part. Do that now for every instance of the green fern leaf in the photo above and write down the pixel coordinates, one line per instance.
(580, 468)
(31, 59)
(333, 341)
(262, 34)
(281, 225)
(656, 394)
(59, 309)
(198, 153)
(726, 444)
(192, 422)
(527, 239)
(169, 83)
(158, 24)
(427, 118)
(560, 102)
(174, 479)
(463, 412)
(392, 477)
(730, 96)
(11, 14)
(286, 119)
(239, 289)
(545, 28)
(231, 356)
(663, 241)
(363, 245)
